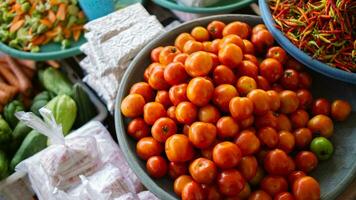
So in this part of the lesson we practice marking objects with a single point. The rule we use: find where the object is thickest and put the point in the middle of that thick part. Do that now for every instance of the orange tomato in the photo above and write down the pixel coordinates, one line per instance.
(259, 195)
(303, 137)
(260, 100)
(155, 54)
(289, 101)
(198, 64)
(132, 105)
(182, 39)
(245, 193)
(277, 53)
(200, 91)
(156, 166)
(241, 108)
(248, 142)
(286, 141)
(178, 148)
(246, 84)
(340, 110)
(208, 114)
(283, 123)
(262, 40)
(262, 83)
(203, 170)
(284, 196)
(163, 128)
(306, 188)
(175, 73)
(162, 97)
(202, 134)
(292, 177)
(230, 55)
(156, 79)
(192, 46)
(209, 47)
(181, 58)
(223, 75)
(274, 184)
(212, 192)
(232, 39)
(248, 167)
(153, 111)
(171, 113)
(216, 28)
(192, 191)
(226, 155)
(251, 58)
(138, 128)
(258, 27)
(200, 34)
(147, 147)
(186, 112)
(222, 96)
(247, 123)
(321, 124)
(275, 101)
(249, 48)
(143, 89)
(271, 69)
(305, 80)
(306, 161)
(299, 118)
(167, 54)
(238, 28)
(180, 183)
(277, 162)
(177, 169)
(268, 136)
(230, 182)
(178, 93)
(305, 98)
(268, 119)
(227, 127)
(247, 68)
(149, 70)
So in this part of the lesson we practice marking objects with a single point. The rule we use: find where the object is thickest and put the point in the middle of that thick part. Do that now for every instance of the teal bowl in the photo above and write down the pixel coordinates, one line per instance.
(334, 175)
(224, 6)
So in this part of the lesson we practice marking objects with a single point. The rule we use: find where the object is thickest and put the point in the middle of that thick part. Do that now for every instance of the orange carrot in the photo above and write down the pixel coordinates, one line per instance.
(76, 34)
(46, 22)
(81, 15)
(51, 16)
(67, 33)
(9, 76)
(5, 97)
(53, 2)
(28, 72)
(27, 63)
(77, 27)
(15, 26)
(38, 40)
(53, 63)
(61, 13)
(11, 90)
(24, 82)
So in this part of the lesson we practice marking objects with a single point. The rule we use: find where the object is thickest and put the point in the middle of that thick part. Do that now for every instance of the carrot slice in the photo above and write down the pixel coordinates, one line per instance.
(38, 40)
(61, 13)
(51, 16)
(15, 26)
(9, 76)
(46, 22)
(76, 34)
(67, 33)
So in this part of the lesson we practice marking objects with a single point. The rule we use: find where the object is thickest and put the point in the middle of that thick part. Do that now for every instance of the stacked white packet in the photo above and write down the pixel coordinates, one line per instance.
(55, 172)
(113, 41)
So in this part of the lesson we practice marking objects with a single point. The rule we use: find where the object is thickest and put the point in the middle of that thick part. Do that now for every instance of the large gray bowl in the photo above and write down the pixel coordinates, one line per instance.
(334, 175)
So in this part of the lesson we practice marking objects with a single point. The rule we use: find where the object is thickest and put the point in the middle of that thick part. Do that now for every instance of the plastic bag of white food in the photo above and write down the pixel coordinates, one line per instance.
(57, 167)
(198, 3)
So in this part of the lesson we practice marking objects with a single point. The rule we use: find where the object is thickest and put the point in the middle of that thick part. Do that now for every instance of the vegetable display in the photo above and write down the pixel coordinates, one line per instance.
(55, 81)
(10, 110)
(27, 25)
(324, 29)
(228, 115)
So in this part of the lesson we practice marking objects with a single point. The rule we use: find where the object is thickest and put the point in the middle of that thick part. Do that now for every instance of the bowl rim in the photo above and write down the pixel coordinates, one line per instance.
(298, 54)
(202, 10)
(146, 180)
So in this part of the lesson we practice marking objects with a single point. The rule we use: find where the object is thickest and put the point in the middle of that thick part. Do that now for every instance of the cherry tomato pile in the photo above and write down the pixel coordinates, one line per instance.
(226, 124)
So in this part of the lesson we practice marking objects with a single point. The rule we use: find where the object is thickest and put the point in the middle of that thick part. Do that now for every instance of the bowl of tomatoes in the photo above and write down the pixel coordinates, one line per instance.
(215, 109)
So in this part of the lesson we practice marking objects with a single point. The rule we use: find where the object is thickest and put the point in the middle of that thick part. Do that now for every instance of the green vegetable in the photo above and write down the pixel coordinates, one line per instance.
(86, 109)
(35, 49)
(40, 101)
(55, 81)
(18, 135)
(33, 143)
(10, 110)
(322, 147)
(64, 111)
(65, 44)
(5, 131)
(4, 166)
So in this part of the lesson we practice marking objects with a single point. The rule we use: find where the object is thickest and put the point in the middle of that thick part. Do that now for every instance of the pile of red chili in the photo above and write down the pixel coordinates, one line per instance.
(325, 29)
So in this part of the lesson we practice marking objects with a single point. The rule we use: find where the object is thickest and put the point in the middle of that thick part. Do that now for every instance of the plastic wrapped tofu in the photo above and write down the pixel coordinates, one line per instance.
(198, 3)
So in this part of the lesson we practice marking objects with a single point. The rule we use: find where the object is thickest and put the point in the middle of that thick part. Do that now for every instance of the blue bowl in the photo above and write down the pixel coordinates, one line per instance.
(333, 175)
(300, 55)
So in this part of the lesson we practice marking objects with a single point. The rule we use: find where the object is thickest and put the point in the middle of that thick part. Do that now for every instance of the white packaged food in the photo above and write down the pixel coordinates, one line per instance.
(147, 195)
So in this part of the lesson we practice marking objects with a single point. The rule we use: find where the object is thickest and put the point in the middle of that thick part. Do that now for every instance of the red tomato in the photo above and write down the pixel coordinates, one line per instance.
(340, 110)
(248, 142)
(202, 134)
(290, 79)
(212, 192)
(245, 193)
(149, 70)
(321, 106)
(260, 173)
(277, 87)
(305, 98)
(156, 79)
(192, 191)
(241, 108)
(181, 58)
(284, 196)
(306, 161)
(186, 112)
(216, 28)
(293, 64)
(268, 119)
(175, 73)
(227, 127)
(147, 147)
(260, 195)
(237, 28)
(138, 128)
(223, 75)
(247, 68)
(289, 101)
(321, 124)
(162, 97)
(226, 155)
(303, 137)
(275, 101)
(277, 53)
(232, 39)
(306, 188)
(248, 167)
(268, 136)
(178, 93)
(249, 48)
(198, 64)
(132, 105)
(292, 177)
(182, 39)
(200, 91)
(245, 84)
(299, 118)
(153, 111)
(251, 58)
(155, 54)
(208, 114)
(203, 170)
(262, 83)
(177, 169)
(163, 128)
(286, 141)
(283, 123)
(247, 123)
(271, 69)
(167, 54)
(230, 55)
(262, 40)
(260, 100)
(305, 80)
(180, 183)
(277, 162)
(156, 166)
(258, 27)
(143, 89)
(178, 148)
(230, 182)
(222, 96)
(274, 184)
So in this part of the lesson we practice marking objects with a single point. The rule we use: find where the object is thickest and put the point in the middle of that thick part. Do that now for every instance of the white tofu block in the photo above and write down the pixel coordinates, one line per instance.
(123, 47)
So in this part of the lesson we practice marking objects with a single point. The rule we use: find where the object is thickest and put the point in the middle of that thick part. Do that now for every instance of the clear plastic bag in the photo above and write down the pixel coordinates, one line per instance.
(198, 3)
